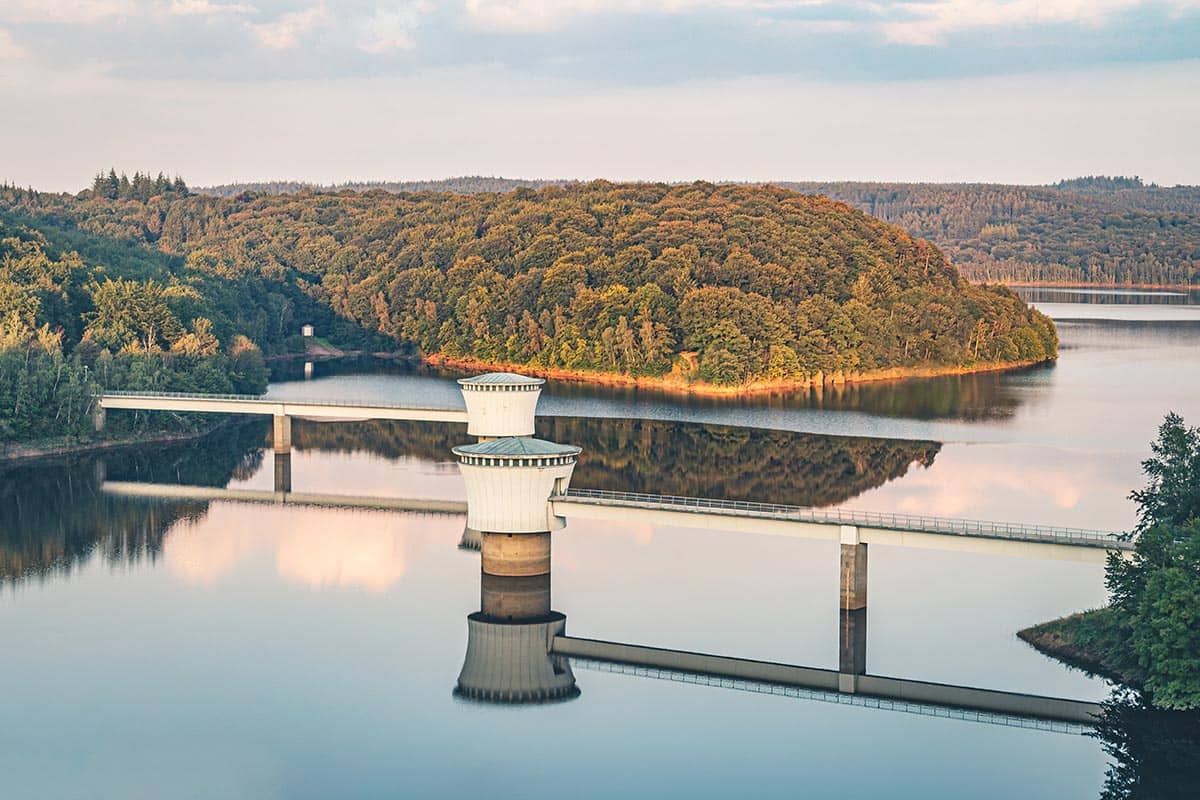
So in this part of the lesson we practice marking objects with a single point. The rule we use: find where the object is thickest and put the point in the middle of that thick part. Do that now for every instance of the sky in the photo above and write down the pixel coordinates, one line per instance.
(1014, 91)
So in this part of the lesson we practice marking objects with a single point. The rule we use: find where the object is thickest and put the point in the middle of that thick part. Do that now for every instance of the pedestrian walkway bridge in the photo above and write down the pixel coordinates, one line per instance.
(252, 404)
(906, 530)
(173, 491)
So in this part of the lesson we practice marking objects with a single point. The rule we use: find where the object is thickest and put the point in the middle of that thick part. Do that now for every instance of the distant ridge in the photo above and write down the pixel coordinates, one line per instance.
(466, 184)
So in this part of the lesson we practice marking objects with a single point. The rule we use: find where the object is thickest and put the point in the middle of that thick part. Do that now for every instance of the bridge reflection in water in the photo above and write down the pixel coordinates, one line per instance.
(518, 650)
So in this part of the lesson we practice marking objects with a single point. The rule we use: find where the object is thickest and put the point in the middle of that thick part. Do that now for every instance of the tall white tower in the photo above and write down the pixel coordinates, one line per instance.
(500, 404)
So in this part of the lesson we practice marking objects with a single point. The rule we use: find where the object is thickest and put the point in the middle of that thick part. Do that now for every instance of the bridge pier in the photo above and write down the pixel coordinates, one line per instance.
(514, 598)
(515, 555)
(99, 417)
(852, 642)
(852, 614)
(853, 570)
(283, 472)
(281, 436)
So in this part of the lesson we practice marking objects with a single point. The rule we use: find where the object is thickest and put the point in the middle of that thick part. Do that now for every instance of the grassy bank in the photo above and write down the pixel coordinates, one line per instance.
(1085, 640)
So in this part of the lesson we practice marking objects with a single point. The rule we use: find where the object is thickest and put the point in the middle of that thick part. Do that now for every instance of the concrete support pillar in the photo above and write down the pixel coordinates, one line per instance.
(852, 642)
(515, 554)
(515, 599)
(853, 580)
(283, 471)
(282, 436)
(852, 617)
(99, 416)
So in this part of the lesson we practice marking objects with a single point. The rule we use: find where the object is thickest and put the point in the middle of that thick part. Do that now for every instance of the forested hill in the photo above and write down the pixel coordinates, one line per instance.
(728, 285)
(1095, 229)
(1089, 230)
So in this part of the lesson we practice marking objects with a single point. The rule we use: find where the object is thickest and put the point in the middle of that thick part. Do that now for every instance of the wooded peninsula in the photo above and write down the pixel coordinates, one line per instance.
(141, 283)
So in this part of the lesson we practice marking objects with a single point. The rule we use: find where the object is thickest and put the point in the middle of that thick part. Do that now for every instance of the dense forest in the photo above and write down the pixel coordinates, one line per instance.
(69, 328)
(727, 285)
(1094, 229)
(1088, 230)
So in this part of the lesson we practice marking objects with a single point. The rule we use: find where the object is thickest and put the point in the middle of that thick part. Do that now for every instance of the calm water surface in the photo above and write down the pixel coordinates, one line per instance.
(216, 649)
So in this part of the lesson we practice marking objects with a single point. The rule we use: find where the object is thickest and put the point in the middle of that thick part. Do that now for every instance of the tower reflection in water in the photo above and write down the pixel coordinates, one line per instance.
(508, 644)
(510, 639)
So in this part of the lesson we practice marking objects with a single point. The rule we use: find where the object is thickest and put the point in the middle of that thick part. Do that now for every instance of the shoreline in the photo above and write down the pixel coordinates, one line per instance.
(24, 453)
(1178, 287)
(680, 386)
(1058, 639)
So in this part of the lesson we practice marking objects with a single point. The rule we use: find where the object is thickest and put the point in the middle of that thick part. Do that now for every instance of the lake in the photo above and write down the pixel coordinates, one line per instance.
(179, 649)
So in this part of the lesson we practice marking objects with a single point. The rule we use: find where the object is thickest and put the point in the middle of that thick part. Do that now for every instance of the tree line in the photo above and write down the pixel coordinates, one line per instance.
(1089, 230)
(139, 187)
(69, 329)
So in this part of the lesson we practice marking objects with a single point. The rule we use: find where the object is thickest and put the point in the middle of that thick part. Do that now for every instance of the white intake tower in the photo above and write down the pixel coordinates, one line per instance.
(500, 404)
(509, 482)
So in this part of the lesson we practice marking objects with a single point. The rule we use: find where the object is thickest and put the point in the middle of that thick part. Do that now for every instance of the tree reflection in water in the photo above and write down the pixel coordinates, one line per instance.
(54, 516)
(680, 458)
(1156, 753)
(979, 396)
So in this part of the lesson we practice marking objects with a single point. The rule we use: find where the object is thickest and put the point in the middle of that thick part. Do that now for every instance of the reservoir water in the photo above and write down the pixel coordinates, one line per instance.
(197, 648)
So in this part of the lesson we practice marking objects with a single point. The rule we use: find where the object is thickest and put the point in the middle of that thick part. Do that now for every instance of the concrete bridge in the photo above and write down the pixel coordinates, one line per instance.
(518, 493)
(281, 410)
(841, 525)
(519, 652)
(171, 491)
(498, 404)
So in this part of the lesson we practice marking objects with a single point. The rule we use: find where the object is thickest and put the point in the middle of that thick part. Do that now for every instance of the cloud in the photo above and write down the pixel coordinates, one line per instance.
(9, 50)
(65, 11)
(591, 42)
(390, 27)
(929, 23)
(287, 30)
(317, 548)
(537, 16)
(206, 8)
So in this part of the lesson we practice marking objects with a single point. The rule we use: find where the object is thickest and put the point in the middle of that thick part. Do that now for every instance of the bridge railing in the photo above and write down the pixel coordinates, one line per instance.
(188, 396)
(889, 521)
(258, 398)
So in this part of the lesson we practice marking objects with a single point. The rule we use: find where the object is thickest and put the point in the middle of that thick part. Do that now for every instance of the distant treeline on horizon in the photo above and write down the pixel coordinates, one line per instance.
(1093, 229)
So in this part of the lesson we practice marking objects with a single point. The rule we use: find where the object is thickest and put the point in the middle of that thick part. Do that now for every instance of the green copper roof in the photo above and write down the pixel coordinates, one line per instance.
(517, 447)
(501, 378)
